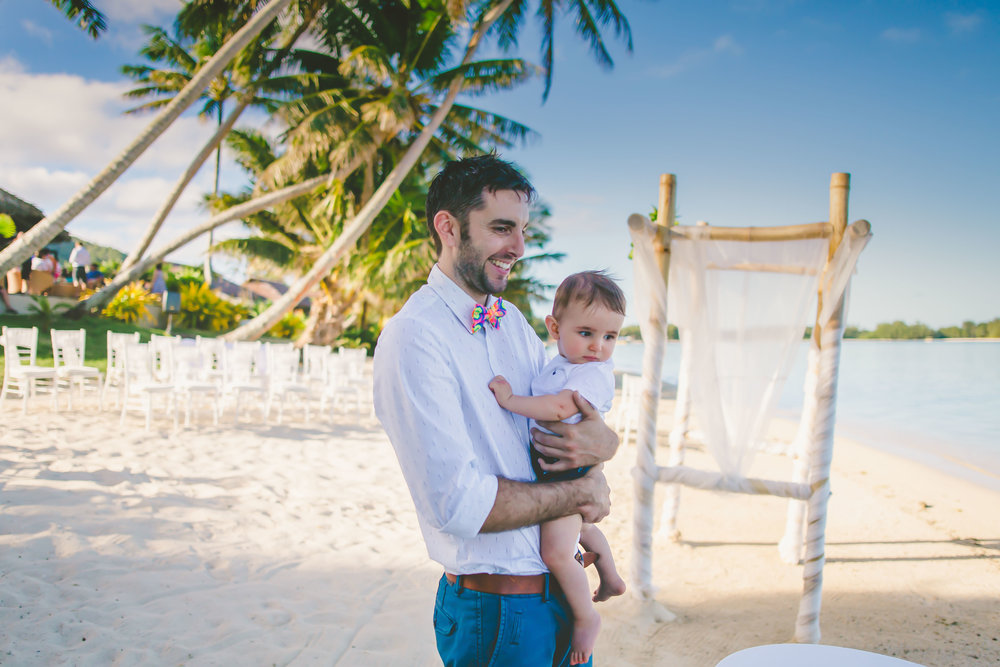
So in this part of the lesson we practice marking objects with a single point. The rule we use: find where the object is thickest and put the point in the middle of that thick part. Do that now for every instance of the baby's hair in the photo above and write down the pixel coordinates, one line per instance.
(589, 287)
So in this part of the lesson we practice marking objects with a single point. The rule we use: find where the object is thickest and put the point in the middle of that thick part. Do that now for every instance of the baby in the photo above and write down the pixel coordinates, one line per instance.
(586, 317)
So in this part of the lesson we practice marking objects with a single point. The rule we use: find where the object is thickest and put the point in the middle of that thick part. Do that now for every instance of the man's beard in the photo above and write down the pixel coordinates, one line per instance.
(471, 268)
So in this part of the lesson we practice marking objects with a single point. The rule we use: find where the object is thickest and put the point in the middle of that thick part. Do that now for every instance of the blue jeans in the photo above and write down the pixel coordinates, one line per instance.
(485, 630)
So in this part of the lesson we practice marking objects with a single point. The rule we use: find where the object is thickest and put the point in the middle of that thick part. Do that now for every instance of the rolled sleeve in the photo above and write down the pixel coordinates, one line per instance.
(419, 404)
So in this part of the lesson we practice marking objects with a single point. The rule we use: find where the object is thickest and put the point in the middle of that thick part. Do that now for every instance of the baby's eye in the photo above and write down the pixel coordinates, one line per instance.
(585, 334)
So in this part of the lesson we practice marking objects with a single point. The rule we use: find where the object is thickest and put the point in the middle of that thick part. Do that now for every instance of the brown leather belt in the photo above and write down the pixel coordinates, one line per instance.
(502, 584)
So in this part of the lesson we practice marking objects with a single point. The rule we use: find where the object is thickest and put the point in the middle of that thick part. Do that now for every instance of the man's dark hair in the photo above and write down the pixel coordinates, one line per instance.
(458, 188)
(589, 287)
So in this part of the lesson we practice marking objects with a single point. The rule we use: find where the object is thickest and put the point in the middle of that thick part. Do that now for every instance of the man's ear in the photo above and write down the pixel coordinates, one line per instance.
(448, 229)
(553, 326)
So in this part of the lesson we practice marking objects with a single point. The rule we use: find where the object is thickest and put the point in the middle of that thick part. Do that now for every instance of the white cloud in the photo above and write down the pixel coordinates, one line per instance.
(722, 46)
(64, 129)
(902, 35)
(35, 30)
(963, 23)
(68, 122)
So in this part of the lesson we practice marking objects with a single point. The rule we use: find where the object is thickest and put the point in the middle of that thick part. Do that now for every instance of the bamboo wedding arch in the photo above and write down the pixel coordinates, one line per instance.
(741, 298)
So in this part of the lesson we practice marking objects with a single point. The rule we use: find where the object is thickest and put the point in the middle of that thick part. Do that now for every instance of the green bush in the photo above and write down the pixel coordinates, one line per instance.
(131, 304)
(201, 308)
(291, 325)
(187, 275)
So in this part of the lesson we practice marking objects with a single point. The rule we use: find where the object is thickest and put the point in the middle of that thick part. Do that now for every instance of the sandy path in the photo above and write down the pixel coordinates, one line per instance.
(298, 545)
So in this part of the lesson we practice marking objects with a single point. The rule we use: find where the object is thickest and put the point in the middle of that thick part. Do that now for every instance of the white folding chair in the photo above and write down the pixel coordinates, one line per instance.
(141, 386)
(160, 349)
(114, 373)
(314, 362)
(627, 415)
(68, 347)
(358, 376)
(212, 351)
(190, 375)
(243, 374)
(21, 375)
(284, 379)
(340, 385)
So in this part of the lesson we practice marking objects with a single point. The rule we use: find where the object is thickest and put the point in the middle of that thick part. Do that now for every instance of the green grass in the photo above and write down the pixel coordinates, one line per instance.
(96, 352)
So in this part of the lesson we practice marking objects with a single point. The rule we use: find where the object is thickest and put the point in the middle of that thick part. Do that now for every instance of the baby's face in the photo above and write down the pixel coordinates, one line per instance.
(586, 333)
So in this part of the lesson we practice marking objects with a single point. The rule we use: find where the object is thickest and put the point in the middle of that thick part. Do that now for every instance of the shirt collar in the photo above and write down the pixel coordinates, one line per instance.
(456, 298)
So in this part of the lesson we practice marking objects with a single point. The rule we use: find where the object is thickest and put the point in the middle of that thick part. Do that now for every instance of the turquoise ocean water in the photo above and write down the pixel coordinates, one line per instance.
(937, 402)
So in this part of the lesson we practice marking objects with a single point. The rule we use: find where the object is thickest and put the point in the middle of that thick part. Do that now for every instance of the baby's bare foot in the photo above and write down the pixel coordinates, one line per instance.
(585, 632)
(611, 586)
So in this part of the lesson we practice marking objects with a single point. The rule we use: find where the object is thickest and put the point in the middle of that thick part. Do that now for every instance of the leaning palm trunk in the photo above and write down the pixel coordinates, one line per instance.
(100, 298)
(49, 227)
(211, 145)
(258, 326)
(326, 316)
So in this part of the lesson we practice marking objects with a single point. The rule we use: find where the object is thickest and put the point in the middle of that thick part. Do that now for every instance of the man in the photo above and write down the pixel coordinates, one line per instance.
(465, 459)
(79, 258)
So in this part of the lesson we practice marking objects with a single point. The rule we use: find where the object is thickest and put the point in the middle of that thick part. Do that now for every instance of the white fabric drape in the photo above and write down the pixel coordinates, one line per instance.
(746, 306)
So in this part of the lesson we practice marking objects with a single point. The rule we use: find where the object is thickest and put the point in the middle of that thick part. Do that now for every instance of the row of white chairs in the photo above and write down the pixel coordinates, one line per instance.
(25, 378)
(191, 373)
(246, 375)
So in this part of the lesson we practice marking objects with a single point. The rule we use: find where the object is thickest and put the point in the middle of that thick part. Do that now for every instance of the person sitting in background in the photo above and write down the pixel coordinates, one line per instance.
(43, 269)
(93, 278)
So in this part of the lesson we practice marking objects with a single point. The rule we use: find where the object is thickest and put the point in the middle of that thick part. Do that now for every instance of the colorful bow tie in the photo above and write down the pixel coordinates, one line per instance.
(480, 315)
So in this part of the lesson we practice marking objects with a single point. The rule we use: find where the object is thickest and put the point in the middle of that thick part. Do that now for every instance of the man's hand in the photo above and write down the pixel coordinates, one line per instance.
(599, 493)
(501, 389)
(586, 443)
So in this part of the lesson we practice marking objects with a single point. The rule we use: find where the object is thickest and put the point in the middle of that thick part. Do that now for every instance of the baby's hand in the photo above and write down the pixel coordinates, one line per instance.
(501, 389)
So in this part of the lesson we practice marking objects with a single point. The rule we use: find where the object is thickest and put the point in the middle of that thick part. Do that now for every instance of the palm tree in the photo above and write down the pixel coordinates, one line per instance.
(86, 16)
(50, 226)
(504, 18)
(182, 56)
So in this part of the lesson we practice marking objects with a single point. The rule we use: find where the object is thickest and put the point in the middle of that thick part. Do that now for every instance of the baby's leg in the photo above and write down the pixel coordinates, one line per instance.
(559, 538)
(612, 584)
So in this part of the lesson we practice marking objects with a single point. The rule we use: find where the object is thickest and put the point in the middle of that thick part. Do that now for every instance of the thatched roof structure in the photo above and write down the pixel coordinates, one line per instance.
(25, 215)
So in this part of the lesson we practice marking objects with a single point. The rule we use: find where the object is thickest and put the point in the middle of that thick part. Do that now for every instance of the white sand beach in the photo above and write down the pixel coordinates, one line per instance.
(298, 545)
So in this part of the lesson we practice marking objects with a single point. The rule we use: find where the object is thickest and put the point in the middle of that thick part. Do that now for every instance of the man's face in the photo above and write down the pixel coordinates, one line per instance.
(493, 242)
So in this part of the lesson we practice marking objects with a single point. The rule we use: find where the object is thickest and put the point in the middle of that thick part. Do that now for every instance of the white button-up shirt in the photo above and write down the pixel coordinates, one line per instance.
(451, 437)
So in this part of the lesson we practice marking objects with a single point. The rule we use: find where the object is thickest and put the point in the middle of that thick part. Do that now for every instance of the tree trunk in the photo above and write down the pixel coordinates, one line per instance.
(49, 227)
(326, 317)
(259, 325)
(215, 195)
(211, 145)
(100, 298)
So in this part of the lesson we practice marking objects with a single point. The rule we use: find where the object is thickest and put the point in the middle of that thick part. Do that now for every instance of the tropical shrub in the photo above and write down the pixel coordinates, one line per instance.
(201, 308)
(186, 275)
(131, 304)
(46, 310)
(109, 267)
(289, 326)
(356, 336)
(7, 226)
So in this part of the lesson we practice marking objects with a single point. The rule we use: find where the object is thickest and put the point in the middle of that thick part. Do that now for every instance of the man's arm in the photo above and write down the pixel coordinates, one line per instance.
(520, 504)
(549, 407)
(586, 443)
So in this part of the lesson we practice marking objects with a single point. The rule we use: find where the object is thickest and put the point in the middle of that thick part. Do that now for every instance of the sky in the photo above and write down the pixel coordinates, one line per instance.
(753, 104)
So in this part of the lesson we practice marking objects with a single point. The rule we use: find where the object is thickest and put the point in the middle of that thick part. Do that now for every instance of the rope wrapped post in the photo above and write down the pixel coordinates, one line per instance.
(790, 546)
(645, 472)
(678, 434)
(828, 337)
